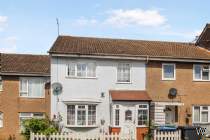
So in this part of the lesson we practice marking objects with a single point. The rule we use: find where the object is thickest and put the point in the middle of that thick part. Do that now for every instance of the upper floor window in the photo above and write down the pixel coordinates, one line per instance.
(32, 87)
(123, 73)
(83, 70)
(201, 114)
(168, 71)
(1, 119)
(81, 115)
(201, 72)
(1, 83)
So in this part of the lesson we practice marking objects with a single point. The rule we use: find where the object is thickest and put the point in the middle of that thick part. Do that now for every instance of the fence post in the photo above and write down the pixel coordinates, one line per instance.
(31, 136)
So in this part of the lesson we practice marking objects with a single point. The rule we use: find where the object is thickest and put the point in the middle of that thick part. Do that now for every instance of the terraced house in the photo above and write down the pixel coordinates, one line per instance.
(111, 85)
(24, 91)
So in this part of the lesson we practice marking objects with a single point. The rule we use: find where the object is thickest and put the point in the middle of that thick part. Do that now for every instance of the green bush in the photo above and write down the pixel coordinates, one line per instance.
(43, 126)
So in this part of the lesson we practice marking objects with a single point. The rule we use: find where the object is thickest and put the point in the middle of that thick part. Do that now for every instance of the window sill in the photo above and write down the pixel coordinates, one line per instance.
(31, 97)
(201, 123)
(81, 77)
(201, 80)
(85, 126)
(124, 83)
(168, 79)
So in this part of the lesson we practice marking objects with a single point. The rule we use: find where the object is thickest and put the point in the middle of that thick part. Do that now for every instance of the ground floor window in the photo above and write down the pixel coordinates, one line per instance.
(142, 114)
(201, 114)
(26, 115)
(1, 119)
(81, 115)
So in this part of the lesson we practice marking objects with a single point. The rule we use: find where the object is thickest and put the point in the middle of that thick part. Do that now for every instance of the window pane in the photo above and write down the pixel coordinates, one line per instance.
(81, 115)
(91, 70)
(168, 71)
(197, 114)
(204, 116)
(142, 117)
(205, 73)
(71, 69)
(117, 117)
(123, 73)
(81, 70)
(197, 72)
(71, 114)
(91, 115)
(35, 88)
(128, 115)
(23, 85)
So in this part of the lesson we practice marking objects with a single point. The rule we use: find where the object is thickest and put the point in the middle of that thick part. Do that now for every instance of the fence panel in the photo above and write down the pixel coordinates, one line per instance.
(167, 135)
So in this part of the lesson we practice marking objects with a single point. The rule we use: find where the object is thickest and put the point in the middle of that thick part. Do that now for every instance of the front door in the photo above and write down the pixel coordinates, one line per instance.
(170, 114)
(129, 126)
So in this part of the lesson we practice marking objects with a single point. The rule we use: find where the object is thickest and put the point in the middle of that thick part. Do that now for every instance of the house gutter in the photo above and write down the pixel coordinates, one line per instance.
(24, 74)
(137, 58)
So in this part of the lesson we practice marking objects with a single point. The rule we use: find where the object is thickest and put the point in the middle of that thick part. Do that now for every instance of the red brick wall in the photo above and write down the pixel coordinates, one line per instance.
(11, 104)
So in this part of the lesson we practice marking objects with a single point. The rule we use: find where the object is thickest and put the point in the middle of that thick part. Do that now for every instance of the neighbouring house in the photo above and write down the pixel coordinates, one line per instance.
(104, 88)
(24, 91)
(108, 84)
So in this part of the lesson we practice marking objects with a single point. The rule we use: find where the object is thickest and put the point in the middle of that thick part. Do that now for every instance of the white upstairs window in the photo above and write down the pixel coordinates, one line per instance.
(1, 119)
(168, 71)
(81, 70)
(123, 73)
(32, 87)
(201, 72)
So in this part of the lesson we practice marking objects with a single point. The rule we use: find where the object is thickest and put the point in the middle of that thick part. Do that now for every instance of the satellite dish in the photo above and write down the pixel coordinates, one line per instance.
(172, 93)
(57, 88)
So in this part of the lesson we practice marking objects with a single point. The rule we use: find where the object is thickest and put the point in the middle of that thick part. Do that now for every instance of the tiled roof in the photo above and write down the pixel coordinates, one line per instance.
(25, 64)
(121, 47)
(129, 95)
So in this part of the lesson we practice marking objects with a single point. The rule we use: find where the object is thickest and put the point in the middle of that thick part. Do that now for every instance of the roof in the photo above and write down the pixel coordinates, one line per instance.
(204, 38)
(122, 47)
(18, 64)
(129, 95)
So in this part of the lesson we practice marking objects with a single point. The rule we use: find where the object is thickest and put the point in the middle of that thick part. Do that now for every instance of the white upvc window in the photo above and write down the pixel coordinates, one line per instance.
(142, 114)
(116, 115)
(81, 70)
(168, 71)
(124, 73)
(1, 84)
(81, 115)
(28, 115)
(32, 87)
(201, 72)
(201, 114)
(1, 119)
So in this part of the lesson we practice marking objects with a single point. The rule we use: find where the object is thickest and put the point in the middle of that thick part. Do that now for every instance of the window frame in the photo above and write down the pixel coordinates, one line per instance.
(169, 79)
(116, 107)
(137, 109)
(2, 119)
(201, 72)
(130, 73)
(42, 82)
(1, 83)
(86, 115)
(76, 70)
(201, 110)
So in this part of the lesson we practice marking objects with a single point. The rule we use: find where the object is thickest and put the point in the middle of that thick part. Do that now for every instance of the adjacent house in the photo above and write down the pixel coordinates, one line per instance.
(24, 91)
(115, 85)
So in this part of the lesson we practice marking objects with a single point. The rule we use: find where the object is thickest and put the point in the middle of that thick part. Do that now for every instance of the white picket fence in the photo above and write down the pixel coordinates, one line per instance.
(167, 135)
(80, 136)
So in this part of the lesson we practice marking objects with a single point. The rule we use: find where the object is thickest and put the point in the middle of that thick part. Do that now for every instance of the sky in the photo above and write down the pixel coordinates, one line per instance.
(29, 26)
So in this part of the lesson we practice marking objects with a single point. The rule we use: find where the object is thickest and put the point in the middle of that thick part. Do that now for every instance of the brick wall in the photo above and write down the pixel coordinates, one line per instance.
(189, 92)
(11, 104)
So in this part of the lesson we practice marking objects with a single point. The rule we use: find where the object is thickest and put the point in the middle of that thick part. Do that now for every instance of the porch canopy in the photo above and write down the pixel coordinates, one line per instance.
(129, 95)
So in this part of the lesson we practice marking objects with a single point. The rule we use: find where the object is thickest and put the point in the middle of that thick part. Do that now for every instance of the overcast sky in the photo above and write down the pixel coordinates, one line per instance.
(29, 26)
